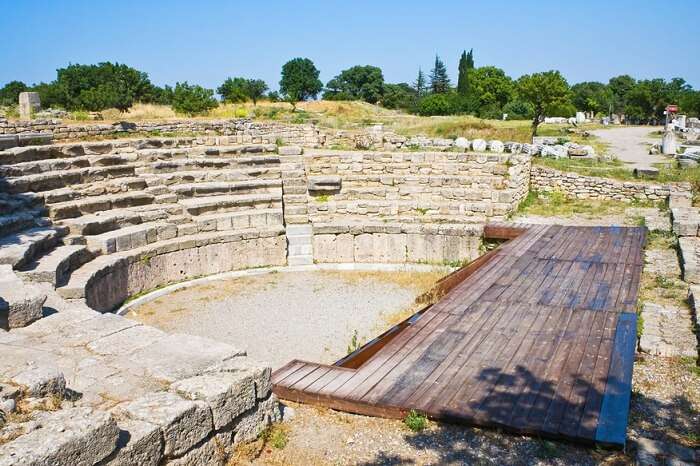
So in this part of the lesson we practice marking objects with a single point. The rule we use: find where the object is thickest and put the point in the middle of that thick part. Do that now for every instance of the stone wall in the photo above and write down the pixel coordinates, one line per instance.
(589, 187)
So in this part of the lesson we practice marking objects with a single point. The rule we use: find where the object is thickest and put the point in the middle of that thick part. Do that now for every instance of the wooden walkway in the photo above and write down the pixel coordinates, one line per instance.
(538, 336)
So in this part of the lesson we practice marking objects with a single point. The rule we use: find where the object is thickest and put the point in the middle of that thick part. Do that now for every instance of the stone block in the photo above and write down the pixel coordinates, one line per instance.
(290, 150)
(29, 103)
(42, 381)
(20, 303)
(139, 444)
(183, 423)
(75, 437)
(328, 183)
(228, 394)
(249, 426)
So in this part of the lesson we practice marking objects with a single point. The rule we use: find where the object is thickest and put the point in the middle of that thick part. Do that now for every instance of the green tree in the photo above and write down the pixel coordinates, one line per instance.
(356, 83)
(105, 85)
(255, 89)
(437, 104)
(233, 90)
(300, 80)
(490, 90)
(620, 86)
(420, 84)
(592, 96)
(543, 91)
(690, 103)
(466, 64)
(518, 110)
(9, 94)
(400, 95)
(439, 81)
(192, 99)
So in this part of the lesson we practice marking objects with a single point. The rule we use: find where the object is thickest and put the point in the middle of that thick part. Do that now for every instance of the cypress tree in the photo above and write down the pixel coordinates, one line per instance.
(463, 80)
(439, 81)
(470, 59)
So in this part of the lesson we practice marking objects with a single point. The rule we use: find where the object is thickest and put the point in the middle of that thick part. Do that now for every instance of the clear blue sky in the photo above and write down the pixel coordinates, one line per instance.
(206, 41)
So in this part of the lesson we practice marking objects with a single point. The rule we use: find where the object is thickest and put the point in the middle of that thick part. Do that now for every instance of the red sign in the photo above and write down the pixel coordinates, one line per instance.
(672, 108)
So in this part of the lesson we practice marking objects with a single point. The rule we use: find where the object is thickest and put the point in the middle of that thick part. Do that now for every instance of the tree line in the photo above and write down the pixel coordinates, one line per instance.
(486, 92)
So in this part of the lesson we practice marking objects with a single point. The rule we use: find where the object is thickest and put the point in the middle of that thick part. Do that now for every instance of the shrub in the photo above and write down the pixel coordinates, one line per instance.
(415, 421)
(435, 104)
(193, 99)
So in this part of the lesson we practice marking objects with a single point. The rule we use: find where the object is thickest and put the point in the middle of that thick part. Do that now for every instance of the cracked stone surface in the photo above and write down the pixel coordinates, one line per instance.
(668, 331)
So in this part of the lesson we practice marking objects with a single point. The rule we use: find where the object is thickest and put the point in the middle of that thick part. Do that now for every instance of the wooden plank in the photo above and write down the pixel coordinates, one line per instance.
(612, 422)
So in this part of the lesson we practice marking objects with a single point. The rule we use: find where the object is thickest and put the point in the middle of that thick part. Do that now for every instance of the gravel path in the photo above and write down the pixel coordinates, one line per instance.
(277, 317)
(629, 144)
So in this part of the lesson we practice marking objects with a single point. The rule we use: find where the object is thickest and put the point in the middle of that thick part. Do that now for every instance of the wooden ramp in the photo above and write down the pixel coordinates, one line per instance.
(537, 337)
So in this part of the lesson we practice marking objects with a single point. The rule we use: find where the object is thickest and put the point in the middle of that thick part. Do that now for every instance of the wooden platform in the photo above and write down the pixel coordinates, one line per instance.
(538, 337)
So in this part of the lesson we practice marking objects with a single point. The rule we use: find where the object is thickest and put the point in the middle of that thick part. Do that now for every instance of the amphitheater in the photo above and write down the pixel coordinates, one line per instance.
(88, 225)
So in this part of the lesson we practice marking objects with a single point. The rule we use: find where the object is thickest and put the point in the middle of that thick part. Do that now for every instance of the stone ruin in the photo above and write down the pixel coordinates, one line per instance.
(29, 103)
(86, 225)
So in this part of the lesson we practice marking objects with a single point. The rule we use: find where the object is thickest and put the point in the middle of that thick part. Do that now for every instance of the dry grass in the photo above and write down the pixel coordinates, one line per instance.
(141, 112)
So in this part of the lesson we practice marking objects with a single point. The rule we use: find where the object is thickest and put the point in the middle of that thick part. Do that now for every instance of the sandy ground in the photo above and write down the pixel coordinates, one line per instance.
(630, 144)
(281, 316)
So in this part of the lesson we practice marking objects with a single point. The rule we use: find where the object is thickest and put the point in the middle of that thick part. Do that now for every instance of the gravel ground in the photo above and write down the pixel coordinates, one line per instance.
(630, 144)
(281, 316)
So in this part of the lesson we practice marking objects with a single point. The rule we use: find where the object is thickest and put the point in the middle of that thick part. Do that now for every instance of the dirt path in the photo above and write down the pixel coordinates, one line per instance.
(629, 144)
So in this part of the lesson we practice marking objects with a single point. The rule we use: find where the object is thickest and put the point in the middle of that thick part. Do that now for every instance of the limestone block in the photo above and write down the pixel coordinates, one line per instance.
(76, 437)
(327, 183)
(462, 143)
(183, 423)
(249, 426)
(212, 452)
(139, 444)
(261, 374)
(228, 394)
(364, 248)
(496, 146)
(42, 381)
(20, 303)
(29, 102)
(290, 150)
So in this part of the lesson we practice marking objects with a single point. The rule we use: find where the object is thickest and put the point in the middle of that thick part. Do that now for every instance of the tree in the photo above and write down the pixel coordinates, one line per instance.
(300, 80)
(255, 89)
(543, 91)
(490, 90)
(436, 104)
(439, 81)
(420, 85)
(233, 90)
(620, 86)
(466, 64)
(192, 99)
(400, 95)
(592, 97)
(356, 83)
(9, 94)
(96, 87)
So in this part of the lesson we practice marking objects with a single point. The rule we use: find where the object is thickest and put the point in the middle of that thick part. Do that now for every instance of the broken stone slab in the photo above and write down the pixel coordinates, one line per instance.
(261, 373)
(646, 172)
(290, 150)
(330, 183)
(75, 436)
(228, 394)
(20, 303)
(183, 423)
(42, 381)
(257, 419)
(139, 444)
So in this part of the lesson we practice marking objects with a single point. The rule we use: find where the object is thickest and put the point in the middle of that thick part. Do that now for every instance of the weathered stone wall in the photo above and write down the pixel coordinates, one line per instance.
(246, 130)
(589, 187)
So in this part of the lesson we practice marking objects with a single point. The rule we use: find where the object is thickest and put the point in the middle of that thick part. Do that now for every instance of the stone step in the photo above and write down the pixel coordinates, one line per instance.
(239, 149)
(56, 266)
(21, 303)
(225, 175)
(300, 260)
(225, 187)
(76, 208)
(230, 203)
(207, 163)
(22, 220)
(60, 179)
(295, 219)
(111, 186)
(19, 249)
(239, 220)
(95, 224)
(686, 221)
(300, 250)
(50, 165)
(131, 237)
(17, 203)
(36, 153)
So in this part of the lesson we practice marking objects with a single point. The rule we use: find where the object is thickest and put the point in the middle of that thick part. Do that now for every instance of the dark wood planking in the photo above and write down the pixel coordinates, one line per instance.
(524, 340)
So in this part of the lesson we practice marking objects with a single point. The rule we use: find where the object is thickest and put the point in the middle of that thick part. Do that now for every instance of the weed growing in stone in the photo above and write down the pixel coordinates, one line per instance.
(416, 421)
(354, 343)
(276, 436)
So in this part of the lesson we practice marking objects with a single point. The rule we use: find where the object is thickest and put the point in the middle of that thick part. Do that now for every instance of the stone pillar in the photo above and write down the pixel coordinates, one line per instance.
(668, 143)
(29, 103)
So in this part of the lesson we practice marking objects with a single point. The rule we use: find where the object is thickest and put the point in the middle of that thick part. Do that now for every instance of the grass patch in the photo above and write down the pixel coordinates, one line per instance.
(661, 240)
(277, 436)
(691, 364)
(354, 343)
(557, 204)
(323, 198)
(589, 167)
(416, 421)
